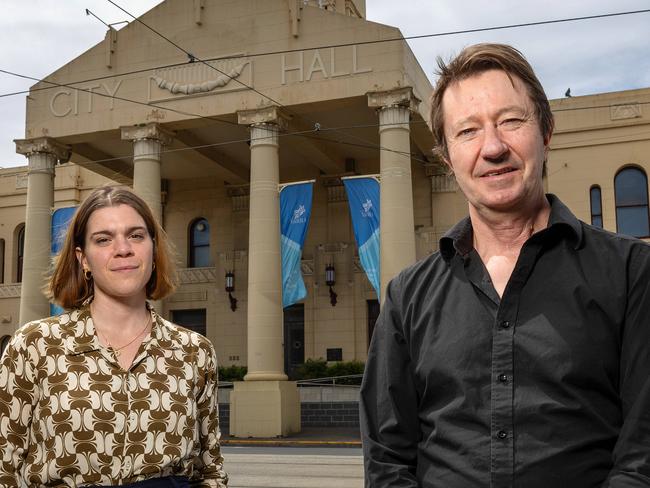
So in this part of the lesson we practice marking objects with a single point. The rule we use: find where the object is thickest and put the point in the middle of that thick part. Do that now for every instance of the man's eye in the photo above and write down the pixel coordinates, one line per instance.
(466, 132)
(137, 236)
(101, 240)
(512, 122)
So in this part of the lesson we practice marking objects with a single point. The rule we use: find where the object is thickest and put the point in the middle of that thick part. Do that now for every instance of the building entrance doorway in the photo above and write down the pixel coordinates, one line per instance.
(294, 338)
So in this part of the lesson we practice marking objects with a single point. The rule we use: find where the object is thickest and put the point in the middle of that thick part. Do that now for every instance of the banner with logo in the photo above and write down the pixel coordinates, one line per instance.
(295, 210)
(61, 219)
(363, 197)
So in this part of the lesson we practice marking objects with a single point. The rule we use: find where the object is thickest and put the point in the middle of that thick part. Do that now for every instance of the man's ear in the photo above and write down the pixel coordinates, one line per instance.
(447, 163)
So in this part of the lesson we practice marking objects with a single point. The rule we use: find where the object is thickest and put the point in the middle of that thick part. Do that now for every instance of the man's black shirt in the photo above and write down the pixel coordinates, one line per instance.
(548, 386)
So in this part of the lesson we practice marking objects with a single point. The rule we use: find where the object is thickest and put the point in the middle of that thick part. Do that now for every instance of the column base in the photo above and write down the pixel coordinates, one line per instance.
(264, 409)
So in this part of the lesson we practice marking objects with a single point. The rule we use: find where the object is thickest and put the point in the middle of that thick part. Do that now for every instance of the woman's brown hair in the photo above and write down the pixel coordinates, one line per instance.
(68, 287)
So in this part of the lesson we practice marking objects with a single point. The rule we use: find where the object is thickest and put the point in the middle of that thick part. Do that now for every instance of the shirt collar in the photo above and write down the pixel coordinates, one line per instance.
(79, 335)
(459, 239)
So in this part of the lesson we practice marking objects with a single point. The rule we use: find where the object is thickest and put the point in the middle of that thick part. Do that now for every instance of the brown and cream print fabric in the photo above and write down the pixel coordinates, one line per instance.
(71, 416)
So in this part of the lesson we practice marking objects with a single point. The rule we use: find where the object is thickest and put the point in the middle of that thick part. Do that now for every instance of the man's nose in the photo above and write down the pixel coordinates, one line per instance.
(494, 147)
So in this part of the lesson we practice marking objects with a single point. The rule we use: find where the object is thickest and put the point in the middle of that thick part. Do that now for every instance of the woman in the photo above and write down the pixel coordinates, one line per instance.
(109, 393)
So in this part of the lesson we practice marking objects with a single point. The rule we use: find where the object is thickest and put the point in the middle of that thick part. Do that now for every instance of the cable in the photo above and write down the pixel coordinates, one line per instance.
(147, 104)
(303, 133)
(192, 58)
(358, 43)
(214, 119)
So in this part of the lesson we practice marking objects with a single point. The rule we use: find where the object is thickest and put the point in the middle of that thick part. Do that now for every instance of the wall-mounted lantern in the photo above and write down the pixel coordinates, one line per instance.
(230, 287)
(330, 280)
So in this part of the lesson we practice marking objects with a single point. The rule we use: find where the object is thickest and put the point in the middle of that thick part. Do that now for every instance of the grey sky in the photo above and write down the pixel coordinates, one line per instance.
(593, 56)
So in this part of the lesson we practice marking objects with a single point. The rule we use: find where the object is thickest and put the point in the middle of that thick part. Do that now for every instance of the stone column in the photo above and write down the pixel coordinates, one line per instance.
(42, 154)
(148, 141)
(265, 404)
(397, 234)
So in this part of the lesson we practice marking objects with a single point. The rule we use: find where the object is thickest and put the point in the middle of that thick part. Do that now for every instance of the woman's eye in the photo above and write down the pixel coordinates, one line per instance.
(137, 236)
(101, 240)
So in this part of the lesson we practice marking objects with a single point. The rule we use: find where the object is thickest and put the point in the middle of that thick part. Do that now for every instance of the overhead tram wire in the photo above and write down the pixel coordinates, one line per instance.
(349, 44)
(214, 119)
(302, 133)
(71, 84)
(146, 104)
(317, 125)
(192, 59)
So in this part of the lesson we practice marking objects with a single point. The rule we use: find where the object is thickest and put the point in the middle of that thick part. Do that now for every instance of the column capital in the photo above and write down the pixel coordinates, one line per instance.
(152, 131)
(271, 115)
(397, 97)
(46, 145)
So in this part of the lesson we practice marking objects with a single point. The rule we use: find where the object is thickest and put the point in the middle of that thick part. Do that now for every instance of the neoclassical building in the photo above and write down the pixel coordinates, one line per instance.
(265, 93)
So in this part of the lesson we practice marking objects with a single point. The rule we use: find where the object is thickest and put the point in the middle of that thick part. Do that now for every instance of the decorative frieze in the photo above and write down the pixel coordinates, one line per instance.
(10, 291)
(189, 296)
(627, 111)
(333, 247)
(335, 188)
(307, 267)
(21, 181)
(441, 179)
(197, 275)
(239, 197)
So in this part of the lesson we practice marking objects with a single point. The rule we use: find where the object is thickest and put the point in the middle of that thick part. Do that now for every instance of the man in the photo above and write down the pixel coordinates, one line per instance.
(519, 354)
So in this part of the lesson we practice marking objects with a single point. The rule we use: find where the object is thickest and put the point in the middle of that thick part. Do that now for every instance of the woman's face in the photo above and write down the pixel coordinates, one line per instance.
(118, 251)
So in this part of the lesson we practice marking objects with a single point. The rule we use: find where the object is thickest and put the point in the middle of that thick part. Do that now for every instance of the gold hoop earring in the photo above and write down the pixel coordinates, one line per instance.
(88, 275)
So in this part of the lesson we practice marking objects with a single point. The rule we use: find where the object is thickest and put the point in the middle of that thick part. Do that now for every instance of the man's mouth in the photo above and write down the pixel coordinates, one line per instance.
(500, 171)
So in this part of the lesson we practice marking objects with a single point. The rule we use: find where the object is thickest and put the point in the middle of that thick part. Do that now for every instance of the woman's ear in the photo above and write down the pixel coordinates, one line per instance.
(80, 257)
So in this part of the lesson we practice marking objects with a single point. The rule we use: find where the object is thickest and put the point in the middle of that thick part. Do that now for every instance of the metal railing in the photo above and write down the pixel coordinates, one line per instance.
(331, 381)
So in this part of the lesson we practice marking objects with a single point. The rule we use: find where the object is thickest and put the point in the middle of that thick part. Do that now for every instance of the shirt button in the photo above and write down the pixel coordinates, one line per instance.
(503, 377)
(502, 434)
(505, 324)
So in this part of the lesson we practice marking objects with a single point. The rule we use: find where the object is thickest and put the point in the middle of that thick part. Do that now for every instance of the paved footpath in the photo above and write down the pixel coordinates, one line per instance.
(291, 467)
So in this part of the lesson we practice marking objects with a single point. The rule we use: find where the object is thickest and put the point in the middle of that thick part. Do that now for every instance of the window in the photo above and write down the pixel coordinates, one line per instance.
(596, 203)
(193, 319)
(631, 192)
(2, 260)
(373, 314)
(199, 244)
(4, 342)
(20, 240)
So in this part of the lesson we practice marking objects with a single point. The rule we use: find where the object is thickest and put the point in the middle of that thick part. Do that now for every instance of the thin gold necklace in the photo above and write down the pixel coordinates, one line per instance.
(117, 350)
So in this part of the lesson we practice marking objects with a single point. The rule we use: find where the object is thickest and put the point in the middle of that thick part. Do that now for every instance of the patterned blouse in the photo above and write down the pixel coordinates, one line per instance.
(71, 416)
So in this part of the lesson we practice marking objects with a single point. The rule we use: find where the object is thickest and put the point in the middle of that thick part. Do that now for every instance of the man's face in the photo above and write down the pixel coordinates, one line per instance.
(496, 148)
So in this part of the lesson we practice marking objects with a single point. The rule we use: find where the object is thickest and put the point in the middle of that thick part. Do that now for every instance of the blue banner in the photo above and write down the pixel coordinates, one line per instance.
(363, 197)
(295, 210)
(61, 219)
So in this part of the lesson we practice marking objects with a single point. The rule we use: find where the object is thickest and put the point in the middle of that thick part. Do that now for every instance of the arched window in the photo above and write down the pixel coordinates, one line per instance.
(199, 250)
(20, 252)
(596, 203)
(631, 191)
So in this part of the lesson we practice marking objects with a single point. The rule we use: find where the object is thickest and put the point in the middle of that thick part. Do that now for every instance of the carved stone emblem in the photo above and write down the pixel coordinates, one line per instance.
(229, 74)
(203, 87)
